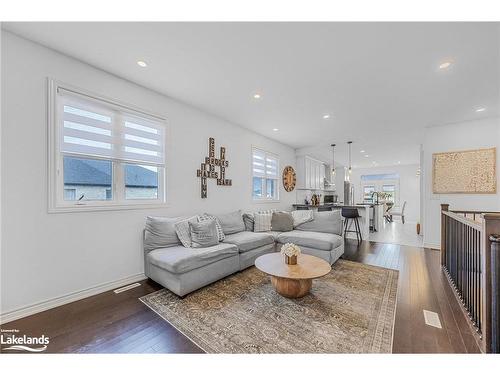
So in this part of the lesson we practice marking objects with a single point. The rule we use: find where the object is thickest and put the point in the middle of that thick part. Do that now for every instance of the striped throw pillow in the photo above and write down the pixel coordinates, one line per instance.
(248, 218)
(262, 221)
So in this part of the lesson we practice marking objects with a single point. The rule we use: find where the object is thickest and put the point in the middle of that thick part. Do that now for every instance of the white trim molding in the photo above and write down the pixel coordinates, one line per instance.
(68, 298)
(432, 246)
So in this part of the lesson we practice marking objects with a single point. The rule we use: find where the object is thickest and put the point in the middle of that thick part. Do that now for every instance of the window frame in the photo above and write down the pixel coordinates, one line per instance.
(265, 199)
(379, 187)
(363, 187)
(55, 158)
(395, 192)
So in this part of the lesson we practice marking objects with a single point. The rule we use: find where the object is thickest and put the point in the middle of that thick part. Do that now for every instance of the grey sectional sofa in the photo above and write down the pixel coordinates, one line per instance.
(183, 270)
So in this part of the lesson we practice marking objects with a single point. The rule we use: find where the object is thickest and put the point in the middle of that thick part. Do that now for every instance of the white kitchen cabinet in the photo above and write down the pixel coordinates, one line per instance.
(310, 173)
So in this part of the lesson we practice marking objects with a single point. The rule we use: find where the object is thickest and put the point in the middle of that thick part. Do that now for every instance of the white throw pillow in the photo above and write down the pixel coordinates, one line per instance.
(262, 222)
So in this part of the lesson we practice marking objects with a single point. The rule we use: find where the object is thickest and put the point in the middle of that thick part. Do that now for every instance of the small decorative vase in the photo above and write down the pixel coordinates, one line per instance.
(291, 260)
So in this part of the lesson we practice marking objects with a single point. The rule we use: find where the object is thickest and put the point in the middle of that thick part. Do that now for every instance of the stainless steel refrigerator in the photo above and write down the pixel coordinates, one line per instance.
(348, 193)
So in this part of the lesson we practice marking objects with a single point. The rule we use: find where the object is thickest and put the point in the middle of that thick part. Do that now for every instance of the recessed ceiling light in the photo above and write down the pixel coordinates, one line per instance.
(399, 162)
(142, 64)
(326, 117)
(275, 129)
(445, 65)
(482, 109)
(367, 156)
(256, 96)
(362, 151)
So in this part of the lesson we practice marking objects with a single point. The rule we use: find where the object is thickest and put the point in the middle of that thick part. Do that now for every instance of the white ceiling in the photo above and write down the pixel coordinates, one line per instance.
(379, 81)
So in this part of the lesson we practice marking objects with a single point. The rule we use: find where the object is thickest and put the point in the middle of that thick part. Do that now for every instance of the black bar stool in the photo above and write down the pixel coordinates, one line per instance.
(352, 213)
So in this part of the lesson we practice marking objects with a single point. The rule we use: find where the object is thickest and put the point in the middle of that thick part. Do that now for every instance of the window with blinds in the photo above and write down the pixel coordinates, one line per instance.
(106, 132)
(265, 167)
(106, 153)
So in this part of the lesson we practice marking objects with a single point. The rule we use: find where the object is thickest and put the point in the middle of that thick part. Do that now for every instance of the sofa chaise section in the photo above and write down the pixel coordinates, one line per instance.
(183, 270)
(321, 237)
(326, 246)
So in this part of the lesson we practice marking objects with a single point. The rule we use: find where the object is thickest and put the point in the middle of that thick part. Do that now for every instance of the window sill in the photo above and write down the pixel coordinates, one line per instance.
(261, 201)
(110, 207)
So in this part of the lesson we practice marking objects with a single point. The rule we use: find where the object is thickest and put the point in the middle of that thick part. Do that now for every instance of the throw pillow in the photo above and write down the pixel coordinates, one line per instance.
(207, 217)
(301, 217)
(262, 222)
(160, 232)
(182, 230)
(203, 234)
(282, 222)
(231, 222)
(248, 219)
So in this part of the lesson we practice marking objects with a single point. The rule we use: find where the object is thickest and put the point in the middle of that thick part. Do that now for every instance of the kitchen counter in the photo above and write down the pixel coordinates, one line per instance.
(339, 205)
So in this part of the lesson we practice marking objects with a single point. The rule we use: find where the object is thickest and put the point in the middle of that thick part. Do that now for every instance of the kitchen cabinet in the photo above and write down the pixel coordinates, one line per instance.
(310, 173)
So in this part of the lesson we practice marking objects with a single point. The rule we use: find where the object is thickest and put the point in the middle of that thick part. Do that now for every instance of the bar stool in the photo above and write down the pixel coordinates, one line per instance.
(352, 213)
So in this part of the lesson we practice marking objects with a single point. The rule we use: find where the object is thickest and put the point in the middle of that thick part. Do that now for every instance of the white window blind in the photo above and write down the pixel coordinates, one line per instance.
(259, 163)
(264, 165)
(98, 130)
(271, 167)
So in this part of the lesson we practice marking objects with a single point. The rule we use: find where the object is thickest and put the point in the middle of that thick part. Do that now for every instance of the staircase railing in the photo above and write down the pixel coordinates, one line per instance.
(470, 259)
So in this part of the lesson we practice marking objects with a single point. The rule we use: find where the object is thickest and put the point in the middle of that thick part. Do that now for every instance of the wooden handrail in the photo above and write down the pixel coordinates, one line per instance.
(463, 220)
(474, 212)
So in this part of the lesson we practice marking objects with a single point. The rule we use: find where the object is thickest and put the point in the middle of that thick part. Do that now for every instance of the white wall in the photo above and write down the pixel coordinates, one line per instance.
(45, 255)
(457, 137)
(409, 187)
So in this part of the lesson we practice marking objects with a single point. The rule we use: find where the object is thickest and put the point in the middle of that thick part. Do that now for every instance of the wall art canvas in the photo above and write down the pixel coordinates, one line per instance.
(464, 172)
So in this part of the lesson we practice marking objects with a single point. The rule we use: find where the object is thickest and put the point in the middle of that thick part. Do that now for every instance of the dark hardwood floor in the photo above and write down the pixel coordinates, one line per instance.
(120, 323)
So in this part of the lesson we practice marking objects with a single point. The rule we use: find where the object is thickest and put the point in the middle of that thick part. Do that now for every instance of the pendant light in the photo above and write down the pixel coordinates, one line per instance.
(333, 161)
(350, 165)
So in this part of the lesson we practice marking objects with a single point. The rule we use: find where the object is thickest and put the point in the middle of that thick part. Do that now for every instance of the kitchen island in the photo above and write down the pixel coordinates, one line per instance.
(371, 216)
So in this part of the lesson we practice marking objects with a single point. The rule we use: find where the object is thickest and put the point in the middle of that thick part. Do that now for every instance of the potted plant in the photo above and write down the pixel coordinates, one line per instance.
(290, 251)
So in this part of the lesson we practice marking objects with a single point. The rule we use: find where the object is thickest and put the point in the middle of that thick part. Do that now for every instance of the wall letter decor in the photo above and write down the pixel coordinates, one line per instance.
(207, 169)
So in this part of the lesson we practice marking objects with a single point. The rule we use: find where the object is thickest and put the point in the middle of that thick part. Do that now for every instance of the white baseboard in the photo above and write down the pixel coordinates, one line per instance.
(71, 297)
(432, 246)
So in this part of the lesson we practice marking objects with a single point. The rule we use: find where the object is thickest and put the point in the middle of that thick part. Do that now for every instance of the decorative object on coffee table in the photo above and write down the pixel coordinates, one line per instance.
(289, 178)
(292, 281)
(290, 251)
(207, 169)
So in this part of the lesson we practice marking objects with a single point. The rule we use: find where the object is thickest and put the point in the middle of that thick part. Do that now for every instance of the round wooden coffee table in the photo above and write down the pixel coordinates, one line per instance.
(292, 281)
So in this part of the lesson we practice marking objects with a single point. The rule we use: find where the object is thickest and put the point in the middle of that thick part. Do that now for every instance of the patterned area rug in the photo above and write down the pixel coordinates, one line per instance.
(350, 310)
